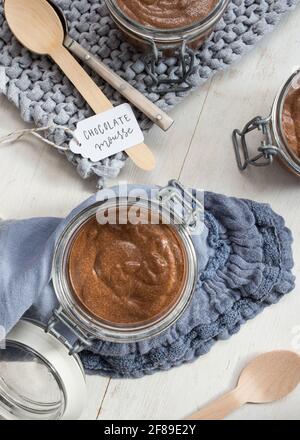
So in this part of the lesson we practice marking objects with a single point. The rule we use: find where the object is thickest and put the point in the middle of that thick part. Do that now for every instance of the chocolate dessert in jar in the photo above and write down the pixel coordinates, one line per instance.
(125, 270)
(280, 131)
(173, 27)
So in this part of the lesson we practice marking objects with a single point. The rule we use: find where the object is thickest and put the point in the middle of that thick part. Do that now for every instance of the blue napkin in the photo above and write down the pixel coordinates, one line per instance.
(245, 261)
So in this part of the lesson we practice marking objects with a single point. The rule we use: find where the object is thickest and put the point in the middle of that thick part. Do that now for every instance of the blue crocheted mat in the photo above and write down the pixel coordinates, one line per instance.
(43, 95)
(249, 269)
(245, 264)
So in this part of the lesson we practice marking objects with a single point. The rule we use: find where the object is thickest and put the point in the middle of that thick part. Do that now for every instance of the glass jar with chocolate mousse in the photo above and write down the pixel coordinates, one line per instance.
(280, 130)
(168, 26)
(124, 270)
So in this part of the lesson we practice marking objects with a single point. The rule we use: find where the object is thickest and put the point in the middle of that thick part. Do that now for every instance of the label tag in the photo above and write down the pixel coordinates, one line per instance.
(107, 133)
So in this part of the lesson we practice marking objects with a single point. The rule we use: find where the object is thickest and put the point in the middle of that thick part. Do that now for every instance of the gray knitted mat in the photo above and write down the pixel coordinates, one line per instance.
(44, 96)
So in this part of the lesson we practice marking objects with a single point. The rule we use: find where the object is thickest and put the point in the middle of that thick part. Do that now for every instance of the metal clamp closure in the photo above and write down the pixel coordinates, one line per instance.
(183, 203)
(82, 342)
(186, 59)
(267, 150)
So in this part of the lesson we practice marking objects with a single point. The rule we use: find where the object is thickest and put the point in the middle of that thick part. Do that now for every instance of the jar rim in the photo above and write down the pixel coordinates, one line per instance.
(96, 327)
(156, 33)
(290, 156)
(16, 403)
(61, 390)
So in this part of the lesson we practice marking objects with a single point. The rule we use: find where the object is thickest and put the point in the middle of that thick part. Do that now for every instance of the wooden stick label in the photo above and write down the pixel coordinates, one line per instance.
(107, 133)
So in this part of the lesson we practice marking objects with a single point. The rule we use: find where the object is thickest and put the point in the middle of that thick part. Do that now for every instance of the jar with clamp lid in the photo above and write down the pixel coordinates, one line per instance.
(280, 132)
(105, 292)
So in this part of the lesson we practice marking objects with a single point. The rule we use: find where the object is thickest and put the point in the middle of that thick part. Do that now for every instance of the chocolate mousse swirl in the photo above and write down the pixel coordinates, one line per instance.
(126, 274)
(167, 14)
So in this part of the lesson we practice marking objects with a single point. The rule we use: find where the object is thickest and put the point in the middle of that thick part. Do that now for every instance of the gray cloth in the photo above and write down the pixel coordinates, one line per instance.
(44, 95)
(245, 262)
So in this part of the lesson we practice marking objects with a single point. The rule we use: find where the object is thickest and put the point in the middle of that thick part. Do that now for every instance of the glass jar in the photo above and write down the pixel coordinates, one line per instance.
(178, 42)
(50, 354)
(101, 329)
(275, 143)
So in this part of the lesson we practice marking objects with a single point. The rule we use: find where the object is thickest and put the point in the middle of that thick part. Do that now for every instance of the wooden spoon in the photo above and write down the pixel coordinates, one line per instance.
(37, 26)
(268, 378)
(159, 117)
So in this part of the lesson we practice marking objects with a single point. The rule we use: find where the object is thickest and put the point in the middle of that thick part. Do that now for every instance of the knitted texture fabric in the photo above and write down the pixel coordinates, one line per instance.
(249, 269)
(244, 265)
(44, 96)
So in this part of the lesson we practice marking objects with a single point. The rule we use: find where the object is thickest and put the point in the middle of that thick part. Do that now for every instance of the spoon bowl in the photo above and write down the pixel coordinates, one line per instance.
(35, 24)
(270, 377)
(61, 15)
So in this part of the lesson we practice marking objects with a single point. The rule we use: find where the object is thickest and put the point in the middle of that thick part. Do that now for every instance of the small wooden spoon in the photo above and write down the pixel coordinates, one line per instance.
(37, 26)
(268, 378)
(159, 117)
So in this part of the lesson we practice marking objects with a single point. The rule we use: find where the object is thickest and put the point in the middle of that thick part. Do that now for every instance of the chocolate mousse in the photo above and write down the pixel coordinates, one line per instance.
(126, 273)
(167, 14)
(291, 120)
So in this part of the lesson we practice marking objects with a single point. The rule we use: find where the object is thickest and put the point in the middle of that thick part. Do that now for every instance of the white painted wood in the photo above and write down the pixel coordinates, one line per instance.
(37, 181)
(96, 389)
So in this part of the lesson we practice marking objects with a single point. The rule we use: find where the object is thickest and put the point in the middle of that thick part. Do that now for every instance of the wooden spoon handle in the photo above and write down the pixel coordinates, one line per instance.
(218, 409)
(140, 154)
(81, 80)
(140, 101)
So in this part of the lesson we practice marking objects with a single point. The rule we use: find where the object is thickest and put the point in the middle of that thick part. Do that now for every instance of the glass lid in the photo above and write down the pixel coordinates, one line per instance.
(39, 380)
(28, 387)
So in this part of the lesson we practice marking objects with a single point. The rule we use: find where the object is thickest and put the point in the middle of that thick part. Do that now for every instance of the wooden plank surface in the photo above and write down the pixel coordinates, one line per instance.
(36, 181)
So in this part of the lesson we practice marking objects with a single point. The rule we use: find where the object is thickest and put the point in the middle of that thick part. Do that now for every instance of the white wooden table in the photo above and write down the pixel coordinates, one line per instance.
(36, 181)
